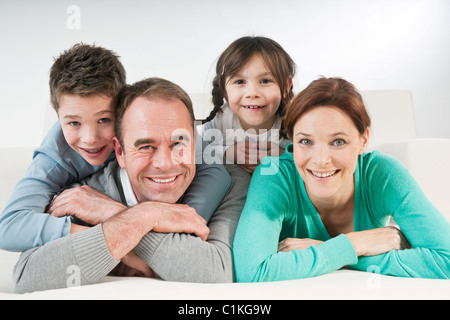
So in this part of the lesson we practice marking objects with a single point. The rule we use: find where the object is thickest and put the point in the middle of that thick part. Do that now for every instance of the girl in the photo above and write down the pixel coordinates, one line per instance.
(329, 203)
(252, 86)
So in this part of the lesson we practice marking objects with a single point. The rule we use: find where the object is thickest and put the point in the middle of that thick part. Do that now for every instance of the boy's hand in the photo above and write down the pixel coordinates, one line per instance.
(85, 203)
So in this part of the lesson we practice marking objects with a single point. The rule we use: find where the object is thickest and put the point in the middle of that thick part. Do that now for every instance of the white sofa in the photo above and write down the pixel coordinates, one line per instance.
(393, 132)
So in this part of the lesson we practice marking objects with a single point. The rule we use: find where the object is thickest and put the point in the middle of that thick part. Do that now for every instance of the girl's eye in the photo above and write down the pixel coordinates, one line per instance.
(339, 142)
(266, 81)
(239, 82)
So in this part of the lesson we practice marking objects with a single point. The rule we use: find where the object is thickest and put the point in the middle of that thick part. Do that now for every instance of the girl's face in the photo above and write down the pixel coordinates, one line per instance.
(326, 149)
(253, 95)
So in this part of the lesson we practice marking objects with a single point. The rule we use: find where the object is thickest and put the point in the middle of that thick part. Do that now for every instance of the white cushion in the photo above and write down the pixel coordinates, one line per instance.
(428, 161)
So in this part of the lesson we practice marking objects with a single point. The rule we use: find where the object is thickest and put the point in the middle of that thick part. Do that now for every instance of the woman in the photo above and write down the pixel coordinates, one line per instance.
(326, 204)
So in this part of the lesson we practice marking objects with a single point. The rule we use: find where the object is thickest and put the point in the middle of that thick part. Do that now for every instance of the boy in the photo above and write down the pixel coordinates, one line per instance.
(84, 84)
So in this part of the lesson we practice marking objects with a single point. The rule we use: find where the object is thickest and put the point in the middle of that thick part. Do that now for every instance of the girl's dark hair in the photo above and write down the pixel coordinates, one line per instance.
(238, 54)
(335, 92)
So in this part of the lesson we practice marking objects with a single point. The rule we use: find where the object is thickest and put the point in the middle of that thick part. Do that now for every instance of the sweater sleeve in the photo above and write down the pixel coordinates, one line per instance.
(397, 193)
(272, 192)
(77, 259)
(210, 184)
(24, 223)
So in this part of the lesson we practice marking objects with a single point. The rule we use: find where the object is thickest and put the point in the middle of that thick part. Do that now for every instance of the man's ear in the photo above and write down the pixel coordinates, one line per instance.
(120, 153)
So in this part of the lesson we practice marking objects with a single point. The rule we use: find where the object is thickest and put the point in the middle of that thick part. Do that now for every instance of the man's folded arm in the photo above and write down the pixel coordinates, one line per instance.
(185, 257)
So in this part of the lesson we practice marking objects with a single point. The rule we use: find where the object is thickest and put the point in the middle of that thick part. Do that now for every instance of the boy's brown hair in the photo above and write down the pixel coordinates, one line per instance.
(86, 70)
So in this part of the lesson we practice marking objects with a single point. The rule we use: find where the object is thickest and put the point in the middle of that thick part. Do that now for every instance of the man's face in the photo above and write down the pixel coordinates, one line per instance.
(157, 149)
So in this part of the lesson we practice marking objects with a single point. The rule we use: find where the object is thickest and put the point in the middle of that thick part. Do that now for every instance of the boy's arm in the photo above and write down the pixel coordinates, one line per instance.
(210, 184)
(24, 223)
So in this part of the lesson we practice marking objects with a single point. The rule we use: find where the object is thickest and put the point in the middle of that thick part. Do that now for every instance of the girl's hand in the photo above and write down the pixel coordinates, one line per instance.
(249, 155)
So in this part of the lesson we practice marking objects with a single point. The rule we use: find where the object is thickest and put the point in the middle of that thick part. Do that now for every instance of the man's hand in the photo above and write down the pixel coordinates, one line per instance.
(123, 231)
(131, 265)
(178, 218)
(85, 203)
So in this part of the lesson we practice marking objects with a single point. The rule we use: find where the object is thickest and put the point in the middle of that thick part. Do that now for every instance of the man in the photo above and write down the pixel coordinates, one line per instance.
(137, 221)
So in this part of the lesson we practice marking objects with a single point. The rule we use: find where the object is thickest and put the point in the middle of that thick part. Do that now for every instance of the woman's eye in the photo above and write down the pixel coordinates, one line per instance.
(305, 142)
(339, 142)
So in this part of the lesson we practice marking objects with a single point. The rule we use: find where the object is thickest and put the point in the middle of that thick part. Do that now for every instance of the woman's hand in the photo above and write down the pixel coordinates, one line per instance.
(378, 241)
(289, 244)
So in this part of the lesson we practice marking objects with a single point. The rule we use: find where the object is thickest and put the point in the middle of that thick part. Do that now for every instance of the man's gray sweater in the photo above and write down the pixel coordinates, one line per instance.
(83, 258)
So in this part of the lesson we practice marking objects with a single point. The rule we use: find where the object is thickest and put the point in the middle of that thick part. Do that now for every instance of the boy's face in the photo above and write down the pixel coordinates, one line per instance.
(88, 125)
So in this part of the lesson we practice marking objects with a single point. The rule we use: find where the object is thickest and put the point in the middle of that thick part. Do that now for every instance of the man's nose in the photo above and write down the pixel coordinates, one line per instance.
(162, 160)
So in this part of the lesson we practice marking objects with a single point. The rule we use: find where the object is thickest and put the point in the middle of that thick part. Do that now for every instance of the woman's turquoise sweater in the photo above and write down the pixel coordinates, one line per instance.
(278, 207)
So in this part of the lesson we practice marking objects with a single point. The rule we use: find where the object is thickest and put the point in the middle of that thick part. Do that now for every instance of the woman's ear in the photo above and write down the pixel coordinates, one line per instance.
(364, 141)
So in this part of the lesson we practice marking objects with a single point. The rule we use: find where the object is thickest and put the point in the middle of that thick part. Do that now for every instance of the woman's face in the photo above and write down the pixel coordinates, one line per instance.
(326, 149)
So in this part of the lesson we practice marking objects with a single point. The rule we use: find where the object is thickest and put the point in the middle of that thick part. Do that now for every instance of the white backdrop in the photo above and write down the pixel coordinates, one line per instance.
(376, 44)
